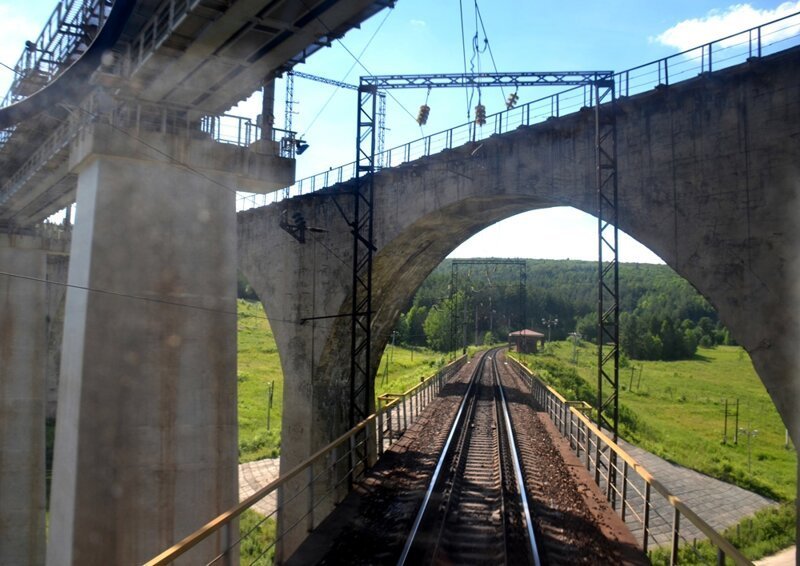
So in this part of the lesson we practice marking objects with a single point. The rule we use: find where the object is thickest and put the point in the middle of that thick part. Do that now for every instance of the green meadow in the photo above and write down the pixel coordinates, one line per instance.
(677, 411)
(259, 368)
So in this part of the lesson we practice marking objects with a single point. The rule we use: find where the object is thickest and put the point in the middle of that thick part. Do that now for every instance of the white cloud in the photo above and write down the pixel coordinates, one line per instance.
(418, 23)
(720, 23)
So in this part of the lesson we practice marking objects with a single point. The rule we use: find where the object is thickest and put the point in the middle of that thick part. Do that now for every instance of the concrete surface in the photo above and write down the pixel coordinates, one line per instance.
(255, 475)
(720, 504)
(146, 444)
(786, 557)
(708, 179)
(23, 313)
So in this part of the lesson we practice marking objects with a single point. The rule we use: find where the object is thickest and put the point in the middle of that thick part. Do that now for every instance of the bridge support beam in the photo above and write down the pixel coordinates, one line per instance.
(24, 298)
(146, 435)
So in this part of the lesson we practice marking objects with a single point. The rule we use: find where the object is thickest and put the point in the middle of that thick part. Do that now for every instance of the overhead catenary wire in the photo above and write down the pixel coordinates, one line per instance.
(359, 62)
(155, 300)
(488, 46)
(464, 51)
(347, 74)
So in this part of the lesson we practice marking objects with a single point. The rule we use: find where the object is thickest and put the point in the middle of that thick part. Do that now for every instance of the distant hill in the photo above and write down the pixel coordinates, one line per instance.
(664, 317)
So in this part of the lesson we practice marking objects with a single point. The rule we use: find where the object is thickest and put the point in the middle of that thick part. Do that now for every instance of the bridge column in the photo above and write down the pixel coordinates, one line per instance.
(23, 347)
(305, 288)
(146, 434)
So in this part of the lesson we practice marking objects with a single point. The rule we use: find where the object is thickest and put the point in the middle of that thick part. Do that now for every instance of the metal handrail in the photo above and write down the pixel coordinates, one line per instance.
(134, 116)
(53, 48)
(660, 72)
(554, 399)
(226, 519)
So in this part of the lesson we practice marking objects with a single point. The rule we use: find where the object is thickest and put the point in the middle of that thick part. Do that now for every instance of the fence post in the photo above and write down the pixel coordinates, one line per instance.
(646, 525)
(405, 415)
(390, 425)
(597, 456)
(353, 462)
(676, 527)
(228, 540)
(624, 488)
(310, 520)
(380, 432)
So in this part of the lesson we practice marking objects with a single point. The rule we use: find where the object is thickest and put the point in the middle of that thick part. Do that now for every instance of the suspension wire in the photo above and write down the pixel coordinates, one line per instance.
(487, 46)
(145, 299)
(476, 56)
(464, 52)
(347, 74)
(357, 59)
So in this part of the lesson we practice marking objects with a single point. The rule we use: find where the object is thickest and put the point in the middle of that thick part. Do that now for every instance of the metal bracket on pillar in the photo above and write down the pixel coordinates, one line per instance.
(296, 228)
(608, 264)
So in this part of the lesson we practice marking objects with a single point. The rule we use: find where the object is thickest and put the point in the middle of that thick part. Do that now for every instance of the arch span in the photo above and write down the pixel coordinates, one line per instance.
(708, 179)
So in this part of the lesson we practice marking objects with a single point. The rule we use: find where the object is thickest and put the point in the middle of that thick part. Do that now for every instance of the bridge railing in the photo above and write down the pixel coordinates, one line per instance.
(319, 482)
(737, 48)
(133, 118)
(68, 32)
(639, 498)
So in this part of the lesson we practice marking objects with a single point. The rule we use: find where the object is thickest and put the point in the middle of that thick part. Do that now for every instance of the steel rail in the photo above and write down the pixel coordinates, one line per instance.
(635, 467)
(518, 476)
(439, 465)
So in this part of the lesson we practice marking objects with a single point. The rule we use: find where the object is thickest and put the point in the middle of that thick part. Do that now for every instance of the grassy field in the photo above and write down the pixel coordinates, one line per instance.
(259, 366)
(678, 412)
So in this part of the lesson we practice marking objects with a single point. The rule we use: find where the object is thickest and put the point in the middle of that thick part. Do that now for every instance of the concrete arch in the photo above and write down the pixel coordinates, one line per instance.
(709, 179)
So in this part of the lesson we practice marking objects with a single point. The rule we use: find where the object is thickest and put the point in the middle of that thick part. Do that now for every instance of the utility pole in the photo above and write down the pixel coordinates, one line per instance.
(476, 324)
(549, 323)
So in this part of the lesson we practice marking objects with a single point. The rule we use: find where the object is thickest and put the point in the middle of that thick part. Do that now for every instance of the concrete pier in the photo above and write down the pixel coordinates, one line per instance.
(146, 435)
(24, 325)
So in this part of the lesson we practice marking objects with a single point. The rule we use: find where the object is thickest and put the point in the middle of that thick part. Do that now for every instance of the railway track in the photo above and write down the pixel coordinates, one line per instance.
(472, 510)
(475, 510)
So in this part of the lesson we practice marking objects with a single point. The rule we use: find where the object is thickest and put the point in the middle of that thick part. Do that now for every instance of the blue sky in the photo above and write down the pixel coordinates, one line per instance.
(420, 36)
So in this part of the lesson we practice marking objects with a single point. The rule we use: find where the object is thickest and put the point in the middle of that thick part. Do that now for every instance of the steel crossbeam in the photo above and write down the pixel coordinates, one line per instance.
(603, 89)
(461, 80)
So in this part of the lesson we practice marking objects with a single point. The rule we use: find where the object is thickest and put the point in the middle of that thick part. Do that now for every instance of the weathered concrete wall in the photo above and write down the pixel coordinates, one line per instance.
(146, 434)
(23, 346)
(708, 179)
(57, 266)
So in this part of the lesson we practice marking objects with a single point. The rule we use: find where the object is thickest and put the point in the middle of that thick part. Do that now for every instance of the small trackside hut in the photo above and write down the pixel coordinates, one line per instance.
(525, 341)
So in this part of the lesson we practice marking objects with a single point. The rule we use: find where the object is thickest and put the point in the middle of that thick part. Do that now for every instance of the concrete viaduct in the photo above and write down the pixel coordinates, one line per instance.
(709, 179)
(146, 437)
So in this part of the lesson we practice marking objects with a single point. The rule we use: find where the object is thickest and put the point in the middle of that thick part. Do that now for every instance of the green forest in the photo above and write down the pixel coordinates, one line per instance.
(480, 301)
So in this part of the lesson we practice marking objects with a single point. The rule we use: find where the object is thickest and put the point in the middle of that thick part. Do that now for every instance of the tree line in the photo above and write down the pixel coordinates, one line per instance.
(662, 316)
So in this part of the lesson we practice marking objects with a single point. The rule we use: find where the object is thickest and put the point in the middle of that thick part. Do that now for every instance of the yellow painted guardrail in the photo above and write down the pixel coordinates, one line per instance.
(558, 407)
(410, 403)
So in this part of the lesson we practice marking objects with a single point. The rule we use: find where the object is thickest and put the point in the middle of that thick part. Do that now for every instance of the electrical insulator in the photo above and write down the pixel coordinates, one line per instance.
(480, 114)
(512, 100)
(422, 117)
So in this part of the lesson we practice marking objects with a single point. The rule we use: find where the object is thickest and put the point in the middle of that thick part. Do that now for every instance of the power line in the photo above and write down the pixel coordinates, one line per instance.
(144, 299)
(347, 74)
(488, 46)
(357, 60)
(464, 51)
